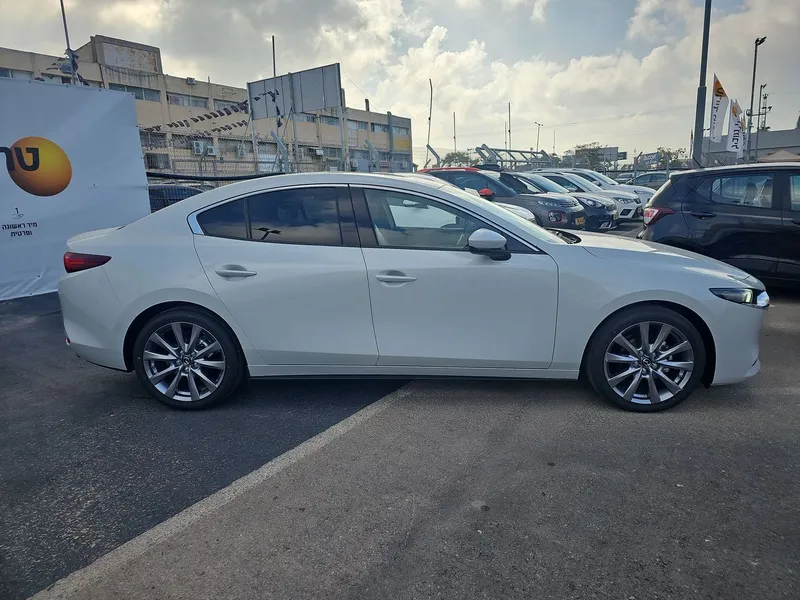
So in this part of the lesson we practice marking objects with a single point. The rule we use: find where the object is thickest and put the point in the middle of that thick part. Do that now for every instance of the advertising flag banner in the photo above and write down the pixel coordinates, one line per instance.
(719, 106)
(70, 162)
(735, 137)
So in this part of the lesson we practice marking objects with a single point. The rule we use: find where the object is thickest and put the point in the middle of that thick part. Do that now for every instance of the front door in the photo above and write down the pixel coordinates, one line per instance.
(287, 265)
(435, 304)
(789, 263)
(734, 218)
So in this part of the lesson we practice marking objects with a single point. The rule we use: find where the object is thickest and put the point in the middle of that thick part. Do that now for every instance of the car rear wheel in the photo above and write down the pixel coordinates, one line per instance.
(646, 359)
(187, 359)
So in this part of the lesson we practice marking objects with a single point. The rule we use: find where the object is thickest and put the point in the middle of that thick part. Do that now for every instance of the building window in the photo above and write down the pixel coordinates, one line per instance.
(221, 104)
(138, 93)
(184, 100)
(238, 148)
(326, 120)
(380, 128)
(181, 141)
(306, 118)
(15, 74)
(153, 139)
(400, 130)
(356, 125)
(333, 152)
(385, 155)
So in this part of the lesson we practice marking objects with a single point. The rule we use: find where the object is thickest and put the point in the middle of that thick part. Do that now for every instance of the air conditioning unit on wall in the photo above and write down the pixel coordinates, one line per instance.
(198, 147)
(211, 151)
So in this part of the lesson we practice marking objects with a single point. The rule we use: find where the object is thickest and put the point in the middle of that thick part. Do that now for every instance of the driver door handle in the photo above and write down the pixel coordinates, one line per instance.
(703, 215)
(395, 278)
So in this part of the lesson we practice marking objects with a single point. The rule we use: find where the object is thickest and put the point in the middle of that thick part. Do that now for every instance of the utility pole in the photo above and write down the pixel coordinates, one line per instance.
(455, 148)
(73, 61)
(430, 117)
(700, 110)
(554, 141)
(757, 43)
(505, 135)
(538, 129)
(509, 126)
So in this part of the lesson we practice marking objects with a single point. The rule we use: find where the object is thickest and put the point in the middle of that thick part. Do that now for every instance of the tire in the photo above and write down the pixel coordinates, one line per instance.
(673, 383)
(189, 377)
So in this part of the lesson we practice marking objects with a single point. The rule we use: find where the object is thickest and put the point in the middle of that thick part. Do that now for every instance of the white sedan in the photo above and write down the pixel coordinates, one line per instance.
(330, 274)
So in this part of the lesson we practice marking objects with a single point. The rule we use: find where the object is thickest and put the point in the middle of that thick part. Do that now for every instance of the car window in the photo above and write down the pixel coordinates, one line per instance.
(404, 220)
(794, 191)
(753, 190)
(297, 216)
(476, 181)
(225, 220)
(563, 182)
(519, 185)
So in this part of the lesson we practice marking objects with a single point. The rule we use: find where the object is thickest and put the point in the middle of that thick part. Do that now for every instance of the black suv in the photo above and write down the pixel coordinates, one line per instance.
(745, 215)
(565, 213)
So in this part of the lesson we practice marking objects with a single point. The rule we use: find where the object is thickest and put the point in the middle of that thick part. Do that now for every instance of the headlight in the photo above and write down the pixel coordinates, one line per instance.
(623, 200)
(758, 298)
(548, 203)
(590, 202)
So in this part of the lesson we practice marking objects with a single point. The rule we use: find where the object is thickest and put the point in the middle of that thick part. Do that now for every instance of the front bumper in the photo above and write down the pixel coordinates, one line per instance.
(736, 338)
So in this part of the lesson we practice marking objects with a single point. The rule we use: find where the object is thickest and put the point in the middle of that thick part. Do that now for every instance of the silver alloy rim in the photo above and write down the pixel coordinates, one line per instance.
(184, 361)
(649, 362)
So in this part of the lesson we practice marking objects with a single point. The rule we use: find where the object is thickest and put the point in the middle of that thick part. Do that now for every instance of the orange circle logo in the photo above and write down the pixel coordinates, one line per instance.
(38, 166)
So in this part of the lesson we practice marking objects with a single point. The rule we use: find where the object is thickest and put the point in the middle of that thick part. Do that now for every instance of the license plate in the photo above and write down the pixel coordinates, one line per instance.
(580, 221)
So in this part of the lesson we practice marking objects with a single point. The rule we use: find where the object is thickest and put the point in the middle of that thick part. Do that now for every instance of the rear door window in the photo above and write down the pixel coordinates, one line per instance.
(750, 190)
(296, 216)
(794, 192)
(226, 220)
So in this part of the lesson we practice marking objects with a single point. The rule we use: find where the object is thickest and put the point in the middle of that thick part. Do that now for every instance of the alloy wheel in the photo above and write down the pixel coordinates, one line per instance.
(184, 361)
(649, 362)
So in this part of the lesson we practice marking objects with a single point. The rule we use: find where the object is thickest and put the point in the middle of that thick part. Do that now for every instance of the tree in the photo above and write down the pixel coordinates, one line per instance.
(589, 155)
(457, 159)
(669, 158)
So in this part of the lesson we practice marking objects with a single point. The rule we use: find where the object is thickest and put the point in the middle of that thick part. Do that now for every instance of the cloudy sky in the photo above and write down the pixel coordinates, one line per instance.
(620, 72)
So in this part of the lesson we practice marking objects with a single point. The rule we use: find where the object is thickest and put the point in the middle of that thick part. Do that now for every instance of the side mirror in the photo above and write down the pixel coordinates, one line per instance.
(489, 243)
(486, 193)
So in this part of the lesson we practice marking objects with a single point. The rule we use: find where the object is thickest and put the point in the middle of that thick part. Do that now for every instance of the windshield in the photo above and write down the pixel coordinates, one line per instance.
(521, 185)
(587, 185)
(505, 215)
(504, 187)
(604, 178)
(545, 183)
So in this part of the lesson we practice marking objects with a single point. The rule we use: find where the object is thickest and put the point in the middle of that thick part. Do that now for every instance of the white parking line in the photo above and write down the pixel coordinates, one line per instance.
(71, 585)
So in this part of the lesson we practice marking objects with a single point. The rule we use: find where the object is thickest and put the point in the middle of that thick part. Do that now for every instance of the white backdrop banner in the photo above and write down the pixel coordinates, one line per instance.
(70, 161)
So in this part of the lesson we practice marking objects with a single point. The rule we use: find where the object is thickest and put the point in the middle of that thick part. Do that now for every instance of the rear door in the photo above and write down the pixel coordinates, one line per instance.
(734, 217)
(789, 263)
(288, 266)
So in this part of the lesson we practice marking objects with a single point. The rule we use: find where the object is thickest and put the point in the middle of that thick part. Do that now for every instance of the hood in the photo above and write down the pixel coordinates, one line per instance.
(517, 210)
(636, 189)
(625, 249)
(614, 193)
(560, 200)
(597, 198)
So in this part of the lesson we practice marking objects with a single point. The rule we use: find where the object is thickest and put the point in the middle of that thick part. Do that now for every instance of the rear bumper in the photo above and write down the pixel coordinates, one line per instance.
(90, 310)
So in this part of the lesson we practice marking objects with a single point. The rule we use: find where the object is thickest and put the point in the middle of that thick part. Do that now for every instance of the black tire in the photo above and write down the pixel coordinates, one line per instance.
(230, 355)
(595, 367)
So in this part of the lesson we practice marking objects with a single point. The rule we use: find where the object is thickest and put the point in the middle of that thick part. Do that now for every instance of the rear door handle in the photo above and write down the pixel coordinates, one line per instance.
(234, 271)
(395, 278)
(703, 215)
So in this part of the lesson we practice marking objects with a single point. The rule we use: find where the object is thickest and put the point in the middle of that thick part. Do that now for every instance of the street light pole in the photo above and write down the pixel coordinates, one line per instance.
(758, 42)
(700, 110)
(538, 128)
(73, 63)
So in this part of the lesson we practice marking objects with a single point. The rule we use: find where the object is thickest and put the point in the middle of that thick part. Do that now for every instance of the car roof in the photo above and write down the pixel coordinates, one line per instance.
(734, 168)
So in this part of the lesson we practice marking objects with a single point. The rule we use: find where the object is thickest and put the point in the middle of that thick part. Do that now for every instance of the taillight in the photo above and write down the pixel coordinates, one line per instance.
(651, 215)
(74, 261)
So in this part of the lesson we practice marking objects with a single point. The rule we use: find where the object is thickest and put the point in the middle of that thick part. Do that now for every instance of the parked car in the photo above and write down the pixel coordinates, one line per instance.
(651, 179)
(629, 206)
(564, 213)
(321, 274)
(606, 183)
(601, 213)
(745, 215)
(162, 195)
(624, 177)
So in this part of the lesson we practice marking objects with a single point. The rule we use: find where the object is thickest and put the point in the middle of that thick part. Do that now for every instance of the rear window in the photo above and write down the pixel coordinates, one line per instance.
(664, 195)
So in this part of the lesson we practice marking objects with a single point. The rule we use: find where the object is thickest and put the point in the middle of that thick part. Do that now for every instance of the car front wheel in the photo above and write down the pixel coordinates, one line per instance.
(187, 359)
(646, 359)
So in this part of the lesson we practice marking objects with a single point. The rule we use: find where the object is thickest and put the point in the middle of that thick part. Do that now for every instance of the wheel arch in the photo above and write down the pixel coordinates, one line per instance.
(143, 317)
(688, 314)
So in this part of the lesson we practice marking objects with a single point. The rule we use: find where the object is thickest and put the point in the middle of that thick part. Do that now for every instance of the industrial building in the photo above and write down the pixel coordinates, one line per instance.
(185, 127)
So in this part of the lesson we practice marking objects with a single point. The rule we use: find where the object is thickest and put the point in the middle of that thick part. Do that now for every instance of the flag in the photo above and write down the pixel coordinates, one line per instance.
(719, 106)
(735, 129)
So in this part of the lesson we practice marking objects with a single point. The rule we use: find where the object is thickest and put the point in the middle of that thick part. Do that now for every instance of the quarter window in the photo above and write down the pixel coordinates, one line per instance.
(299, 216)
(754, 190)
(794, 192)
(226, 220)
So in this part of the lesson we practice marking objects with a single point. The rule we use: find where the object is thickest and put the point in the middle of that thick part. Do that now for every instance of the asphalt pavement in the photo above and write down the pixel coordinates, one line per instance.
(90, 461)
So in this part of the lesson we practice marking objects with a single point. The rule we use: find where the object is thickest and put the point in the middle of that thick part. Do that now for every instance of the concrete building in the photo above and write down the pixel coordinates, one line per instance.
(762, 143)
(163, 100)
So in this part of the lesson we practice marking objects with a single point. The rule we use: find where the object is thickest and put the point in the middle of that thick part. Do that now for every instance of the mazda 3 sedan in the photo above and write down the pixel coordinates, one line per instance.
(349, 274)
